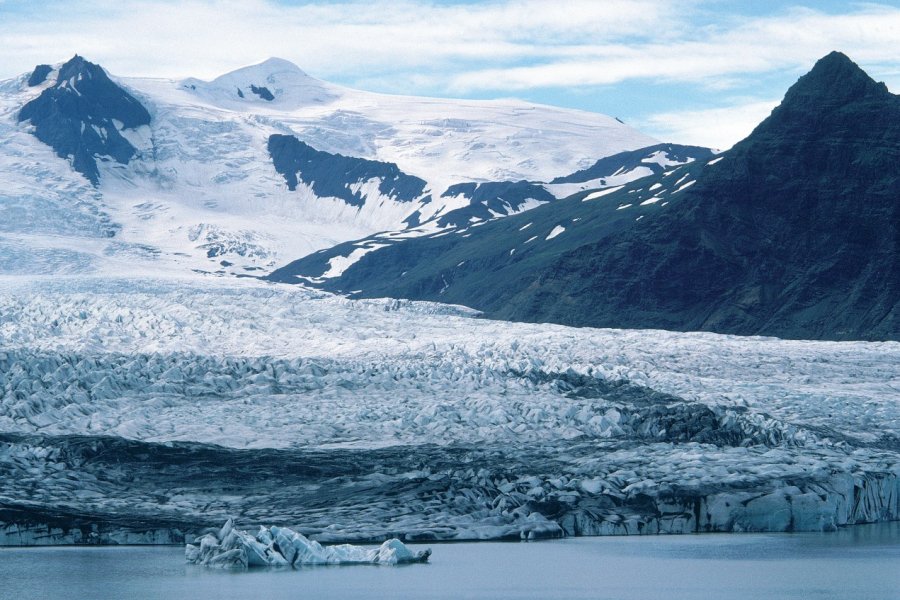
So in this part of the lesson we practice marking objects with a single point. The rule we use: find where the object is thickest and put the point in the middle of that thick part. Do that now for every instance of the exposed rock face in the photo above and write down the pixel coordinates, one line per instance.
(39, 75)
(339, 176)
(795, 233)
(81, 116)
(643, 157)
(488, 200)
(401, 265)
(261, 91)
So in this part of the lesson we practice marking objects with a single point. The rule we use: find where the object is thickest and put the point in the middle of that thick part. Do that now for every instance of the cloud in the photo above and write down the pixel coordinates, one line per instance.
(719, 127)
(788, 42)
(700, 49)
(469, 47)
(155, 37)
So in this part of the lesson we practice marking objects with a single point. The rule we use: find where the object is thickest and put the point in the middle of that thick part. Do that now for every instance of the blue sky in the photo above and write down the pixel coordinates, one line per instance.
(690, 71)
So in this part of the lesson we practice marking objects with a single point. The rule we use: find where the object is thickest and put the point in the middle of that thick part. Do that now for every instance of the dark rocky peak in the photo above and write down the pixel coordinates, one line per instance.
(336, 175)
(833, 81)
(39, 75)
(79, 115)
(77, 65)
(99, 95)
(835, 122)
(836, 89)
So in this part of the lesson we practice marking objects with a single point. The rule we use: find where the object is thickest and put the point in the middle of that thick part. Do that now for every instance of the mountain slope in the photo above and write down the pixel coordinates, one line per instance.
(794, 233)
(466, 227)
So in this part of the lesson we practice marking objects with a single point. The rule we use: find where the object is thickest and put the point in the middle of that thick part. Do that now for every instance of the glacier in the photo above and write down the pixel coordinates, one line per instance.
(143, 410)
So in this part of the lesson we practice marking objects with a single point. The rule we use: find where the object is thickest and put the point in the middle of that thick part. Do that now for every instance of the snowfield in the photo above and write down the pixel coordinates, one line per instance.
(143, 410)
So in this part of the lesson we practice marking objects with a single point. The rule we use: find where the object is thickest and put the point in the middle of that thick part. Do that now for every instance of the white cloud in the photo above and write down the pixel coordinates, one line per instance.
(719, 128)
(501, 46)
(498, 47)
(792, 41)
(155, 37)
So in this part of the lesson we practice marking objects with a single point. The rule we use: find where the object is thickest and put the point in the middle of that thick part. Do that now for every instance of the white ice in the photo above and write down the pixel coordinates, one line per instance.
(274, 546)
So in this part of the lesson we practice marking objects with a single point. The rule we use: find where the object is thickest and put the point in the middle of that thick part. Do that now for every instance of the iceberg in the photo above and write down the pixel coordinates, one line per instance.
(274, 546)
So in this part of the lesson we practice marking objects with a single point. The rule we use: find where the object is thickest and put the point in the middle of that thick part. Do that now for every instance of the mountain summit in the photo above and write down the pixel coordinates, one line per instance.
(81, 115)
(834, 80)
(275, 80)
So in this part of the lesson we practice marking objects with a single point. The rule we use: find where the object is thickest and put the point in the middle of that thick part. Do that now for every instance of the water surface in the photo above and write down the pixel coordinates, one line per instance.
(860, 562)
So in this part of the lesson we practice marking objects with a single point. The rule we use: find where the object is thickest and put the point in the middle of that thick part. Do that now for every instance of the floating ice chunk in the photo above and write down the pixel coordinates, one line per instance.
(281, 546)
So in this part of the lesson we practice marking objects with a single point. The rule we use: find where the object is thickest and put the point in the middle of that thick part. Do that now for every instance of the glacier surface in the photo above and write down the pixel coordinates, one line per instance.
(143, 410)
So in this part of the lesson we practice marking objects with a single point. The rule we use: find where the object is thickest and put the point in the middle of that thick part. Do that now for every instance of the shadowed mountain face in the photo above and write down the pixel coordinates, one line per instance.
(333, 174)
(77, 116)
(793, 233)
(642, 157)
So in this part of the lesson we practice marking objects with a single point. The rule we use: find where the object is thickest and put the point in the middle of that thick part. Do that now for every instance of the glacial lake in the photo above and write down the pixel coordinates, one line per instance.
(859, 562)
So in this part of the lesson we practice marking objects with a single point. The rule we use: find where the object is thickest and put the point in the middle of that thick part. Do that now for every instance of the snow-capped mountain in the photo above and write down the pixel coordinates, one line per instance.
(793, 232)
(255, 168)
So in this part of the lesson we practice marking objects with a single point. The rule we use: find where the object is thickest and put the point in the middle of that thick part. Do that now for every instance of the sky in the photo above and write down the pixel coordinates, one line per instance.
(689, 71)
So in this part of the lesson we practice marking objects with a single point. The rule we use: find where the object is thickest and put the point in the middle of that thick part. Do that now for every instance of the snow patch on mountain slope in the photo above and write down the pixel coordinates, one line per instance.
(564, 190)
(339, 264)
(558, 229)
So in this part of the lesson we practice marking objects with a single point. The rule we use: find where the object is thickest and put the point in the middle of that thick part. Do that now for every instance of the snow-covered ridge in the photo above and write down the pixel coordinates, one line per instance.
(203, 159)
(275, 82)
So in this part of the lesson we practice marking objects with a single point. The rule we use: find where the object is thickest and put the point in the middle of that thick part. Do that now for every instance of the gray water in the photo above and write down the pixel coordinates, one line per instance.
(860, 563)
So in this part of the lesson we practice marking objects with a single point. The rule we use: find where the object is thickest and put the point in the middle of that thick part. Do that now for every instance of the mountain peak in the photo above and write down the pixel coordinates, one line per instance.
(78, 65)
(834, 80)
(270, 70)
(273, 64)
(82, 114)
(273, 80)
(836, 95)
